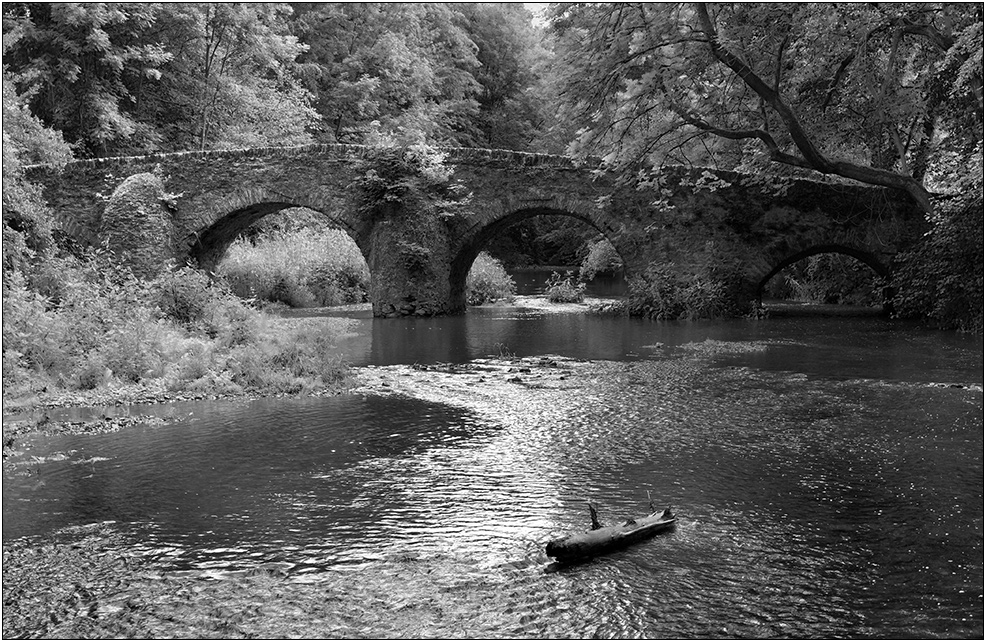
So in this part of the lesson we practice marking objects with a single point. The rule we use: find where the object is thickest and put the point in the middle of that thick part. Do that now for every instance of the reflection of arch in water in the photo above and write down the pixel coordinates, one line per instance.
(420, 340)
(478, 240)
(866, 258)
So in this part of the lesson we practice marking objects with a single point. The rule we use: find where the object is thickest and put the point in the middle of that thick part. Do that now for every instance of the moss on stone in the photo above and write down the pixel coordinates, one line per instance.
(136, 224)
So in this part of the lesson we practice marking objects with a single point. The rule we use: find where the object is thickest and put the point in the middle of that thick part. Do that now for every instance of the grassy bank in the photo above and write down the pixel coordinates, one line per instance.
(78, 328)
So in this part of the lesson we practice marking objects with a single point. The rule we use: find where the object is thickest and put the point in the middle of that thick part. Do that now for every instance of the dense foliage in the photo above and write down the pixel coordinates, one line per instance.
(27, 228)
(79, 324)
(662, 294)
(865, 92)
(397, 178)
(132, 77)
(885, 94)
(488, 282)
(294, 260)
(941, 278)
(120, 78)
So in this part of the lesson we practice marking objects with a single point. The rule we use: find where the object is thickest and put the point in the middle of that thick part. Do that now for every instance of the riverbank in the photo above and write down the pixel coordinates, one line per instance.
(40, 411)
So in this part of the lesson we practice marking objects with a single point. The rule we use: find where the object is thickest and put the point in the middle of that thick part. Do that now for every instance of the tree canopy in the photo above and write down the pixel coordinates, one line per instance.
(877, 93)
(138, 77)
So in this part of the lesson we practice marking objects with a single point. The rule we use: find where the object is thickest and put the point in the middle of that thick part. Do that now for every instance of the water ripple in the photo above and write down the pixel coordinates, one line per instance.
(808, 508)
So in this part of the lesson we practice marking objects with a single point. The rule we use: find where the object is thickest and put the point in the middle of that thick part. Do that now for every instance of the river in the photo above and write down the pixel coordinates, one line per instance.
(827, 474)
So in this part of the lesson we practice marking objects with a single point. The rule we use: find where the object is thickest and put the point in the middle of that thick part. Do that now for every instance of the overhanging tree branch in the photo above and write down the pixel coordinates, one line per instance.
(812, 156)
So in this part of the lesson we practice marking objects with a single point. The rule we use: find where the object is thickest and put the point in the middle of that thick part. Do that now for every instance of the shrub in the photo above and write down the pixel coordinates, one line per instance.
(184, 296)
(662, 294)
(181, 331)
(292, 356)
(305, 267)
(656, 294)
(705, 298)
(92, 323)
(488, 281)
(563, 290)
(827, 278)
(601, 259)
(941, 277)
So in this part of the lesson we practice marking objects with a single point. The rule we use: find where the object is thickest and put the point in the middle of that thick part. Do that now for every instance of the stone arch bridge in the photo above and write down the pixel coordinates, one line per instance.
(192, 205)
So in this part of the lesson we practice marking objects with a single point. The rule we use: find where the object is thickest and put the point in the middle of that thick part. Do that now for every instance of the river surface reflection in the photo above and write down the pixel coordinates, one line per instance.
(828, 475)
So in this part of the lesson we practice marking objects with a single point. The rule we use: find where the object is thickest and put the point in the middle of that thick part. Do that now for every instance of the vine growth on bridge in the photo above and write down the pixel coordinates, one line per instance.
(407, 179)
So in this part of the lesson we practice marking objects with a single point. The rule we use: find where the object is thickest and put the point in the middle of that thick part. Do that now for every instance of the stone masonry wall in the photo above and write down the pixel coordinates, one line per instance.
(695, 219)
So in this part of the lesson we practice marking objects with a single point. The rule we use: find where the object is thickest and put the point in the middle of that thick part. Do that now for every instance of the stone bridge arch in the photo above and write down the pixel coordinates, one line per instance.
(501, 217)
(222, 222)
(867, 258)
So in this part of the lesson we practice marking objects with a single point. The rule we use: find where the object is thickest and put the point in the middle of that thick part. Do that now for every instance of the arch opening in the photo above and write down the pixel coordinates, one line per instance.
(285, 254)
(539, 239)
(210, 245)
(828, 275)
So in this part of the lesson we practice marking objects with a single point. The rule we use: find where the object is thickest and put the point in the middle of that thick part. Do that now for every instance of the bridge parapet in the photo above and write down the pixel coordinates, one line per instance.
(336, 151)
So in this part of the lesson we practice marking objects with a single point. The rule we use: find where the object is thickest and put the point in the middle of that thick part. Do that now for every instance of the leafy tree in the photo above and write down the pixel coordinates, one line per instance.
(406, 66)
(862, 92)
(77, 64)
(132, 78)
(27, 227)
(233, 80)
(511, 109)
(941, 277)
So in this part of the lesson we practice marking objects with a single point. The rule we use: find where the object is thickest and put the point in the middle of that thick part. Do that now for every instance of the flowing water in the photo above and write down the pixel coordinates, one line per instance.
(827, 475)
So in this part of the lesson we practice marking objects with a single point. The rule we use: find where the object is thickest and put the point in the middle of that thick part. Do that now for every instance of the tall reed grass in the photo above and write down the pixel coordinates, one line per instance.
(302, 268)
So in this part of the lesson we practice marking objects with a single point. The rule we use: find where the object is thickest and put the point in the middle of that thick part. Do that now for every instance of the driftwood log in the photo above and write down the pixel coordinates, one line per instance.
(600, 539)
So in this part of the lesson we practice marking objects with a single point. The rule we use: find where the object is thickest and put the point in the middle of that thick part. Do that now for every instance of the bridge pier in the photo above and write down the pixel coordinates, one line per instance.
(410, 262)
